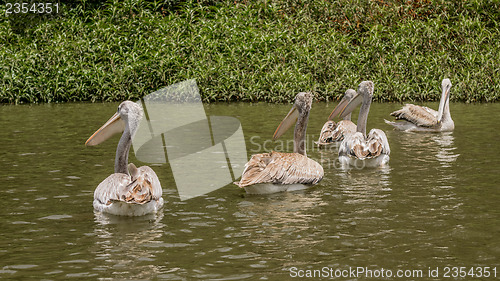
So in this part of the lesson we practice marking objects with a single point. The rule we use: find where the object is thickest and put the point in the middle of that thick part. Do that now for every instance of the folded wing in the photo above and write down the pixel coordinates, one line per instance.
(344, 128)
(140, 187)
(374, 145)
(418, 115)
(280, 168)
(332, 132)
(325, 136)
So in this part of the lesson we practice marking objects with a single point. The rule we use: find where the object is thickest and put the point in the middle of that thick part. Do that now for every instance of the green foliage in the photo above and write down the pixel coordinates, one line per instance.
(266, 50)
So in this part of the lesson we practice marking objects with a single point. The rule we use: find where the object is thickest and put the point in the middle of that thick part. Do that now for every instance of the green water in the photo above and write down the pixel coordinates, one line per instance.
(436, 205)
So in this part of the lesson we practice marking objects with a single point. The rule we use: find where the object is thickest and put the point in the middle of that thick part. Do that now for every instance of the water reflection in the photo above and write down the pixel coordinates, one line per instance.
(282, 223)
(280, 208)
(432, 150)
(122, 244)
(377, 178)
(436, 204)
(446, 148)
(428, 147)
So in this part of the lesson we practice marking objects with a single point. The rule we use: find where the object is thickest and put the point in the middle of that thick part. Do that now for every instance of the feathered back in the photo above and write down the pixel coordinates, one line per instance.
(418, 115)
(374, 145)
(281, 168)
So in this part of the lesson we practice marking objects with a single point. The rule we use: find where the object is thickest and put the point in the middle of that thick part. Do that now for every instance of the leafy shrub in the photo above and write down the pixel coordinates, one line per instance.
(266, 50)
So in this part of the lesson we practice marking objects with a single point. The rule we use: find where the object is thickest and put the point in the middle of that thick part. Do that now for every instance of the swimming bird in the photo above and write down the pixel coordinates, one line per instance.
(372, 149)
(423, 119)
(276, 171)
(333, 132)
(130, 191)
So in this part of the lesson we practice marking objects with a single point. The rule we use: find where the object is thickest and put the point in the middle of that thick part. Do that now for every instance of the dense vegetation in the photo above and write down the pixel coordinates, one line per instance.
(265, 50)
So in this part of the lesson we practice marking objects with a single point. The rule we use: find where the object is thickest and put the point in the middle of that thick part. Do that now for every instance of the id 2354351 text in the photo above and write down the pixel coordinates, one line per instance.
(33, 8)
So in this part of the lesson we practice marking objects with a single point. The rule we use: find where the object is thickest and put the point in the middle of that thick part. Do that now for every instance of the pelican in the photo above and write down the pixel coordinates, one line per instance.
(423, 119)
(332, 132)
(372, 149)
(276, 171)
(130, 191)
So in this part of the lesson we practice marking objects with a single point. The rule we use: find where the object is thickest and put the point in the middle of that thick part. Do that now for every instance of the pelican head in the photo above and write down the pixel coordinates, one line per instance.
(129, 111)
(303, 102)
(125, 120)
(364, 94)
(301, 107)
(366, 88)
(445, 98)
(128, 115)
(298, 115)
(348, 96)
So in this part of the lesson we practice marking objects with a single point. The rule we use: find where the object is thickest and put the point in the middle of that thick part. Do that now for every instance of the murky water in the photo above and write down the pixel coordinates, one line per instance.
(436, 205)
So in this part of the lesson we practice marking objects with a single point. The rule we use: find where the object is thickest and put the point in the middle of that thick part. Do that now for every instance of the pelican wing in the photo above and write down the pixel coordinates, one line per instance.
(150, 177)
(357, 146)
(325, 136)
(112, 188)
(281, 168)
(377, 143)
(418, 115)
(332, 132)
(431, 111)
(344, 128)
(141, 187)
(354, 146)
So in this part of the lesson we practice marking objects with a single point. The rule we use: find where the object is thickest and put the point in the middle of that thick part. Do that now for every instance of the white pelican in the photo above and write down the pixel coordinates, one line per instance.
(372, 149)
(130, 191)
(423, 119)
(331, 132)
(276, 171)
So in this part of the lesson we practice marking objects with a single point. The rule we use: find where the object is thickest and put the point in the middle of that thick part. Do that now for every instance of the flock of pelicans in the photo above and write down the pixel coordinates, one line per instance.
(136, 191)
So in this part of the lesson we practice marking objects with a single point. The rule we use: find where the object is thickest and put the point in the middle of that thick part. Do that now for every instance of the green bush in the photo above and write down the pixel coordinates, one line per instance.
(252, 50)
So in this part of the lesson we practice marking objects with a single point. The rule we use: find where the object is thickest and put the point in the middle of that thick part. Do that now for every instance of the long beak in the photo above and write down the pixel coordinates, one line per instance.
(336, 111)
(114, 125)
(353, 103)
(289, 121)
(444, 98)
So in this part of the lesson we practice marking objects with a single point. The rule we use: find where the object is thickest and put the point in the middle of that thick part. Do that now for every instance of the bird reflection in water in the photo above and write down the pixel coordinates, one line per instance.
(421, 153)
(370, 187)
(274, 220)
(128, 243)
(446, 149)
